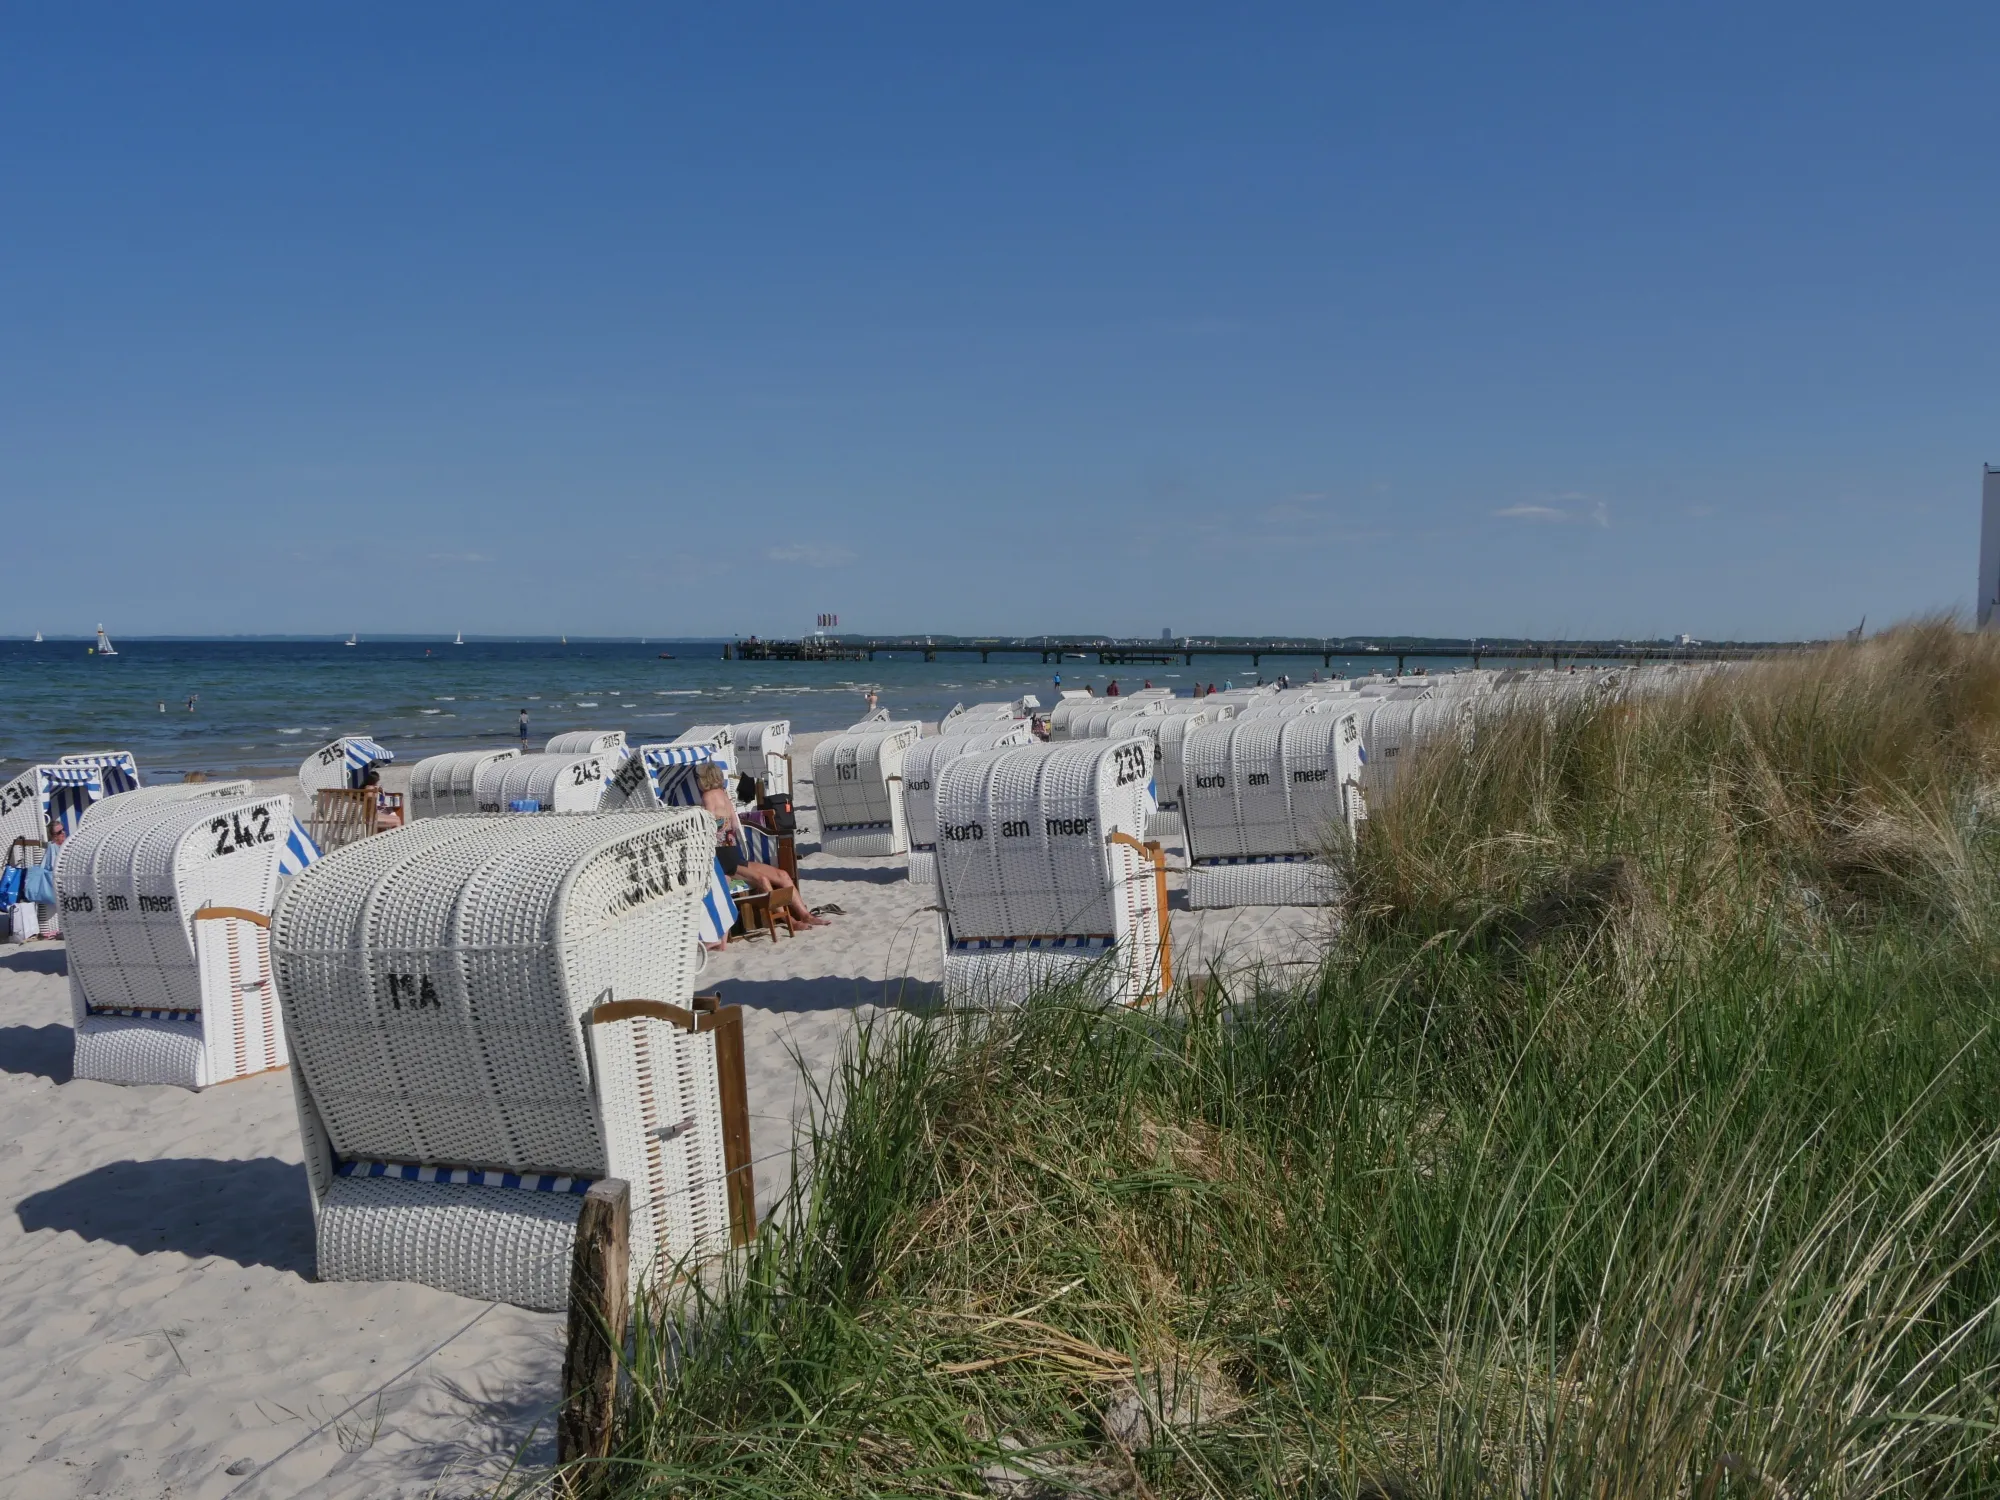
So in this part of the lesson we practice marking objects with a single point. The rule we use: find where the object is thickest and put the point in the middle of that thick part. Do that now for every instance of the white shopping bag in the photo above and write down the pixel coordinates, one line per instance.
(25, 923)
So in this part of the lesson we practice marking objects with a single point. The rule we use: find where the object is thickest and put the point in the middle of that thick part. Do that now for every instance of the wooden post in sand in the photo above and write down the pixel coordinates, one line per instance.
(599, 1290)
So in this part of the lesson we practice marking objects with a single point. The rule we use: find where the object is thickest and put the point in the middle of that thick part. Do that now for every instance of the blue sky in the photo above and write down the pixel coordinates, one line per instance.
(1437, 319)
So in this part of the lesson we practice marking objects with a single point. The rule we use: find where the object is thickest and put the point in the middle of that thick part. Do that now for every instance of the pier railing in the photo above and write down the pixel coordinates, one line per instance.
(1106, 651)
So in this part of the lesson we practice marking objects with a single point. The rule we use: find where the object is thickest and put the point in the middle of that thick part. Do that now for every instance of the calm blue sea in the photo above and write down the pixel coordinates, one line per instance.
(261, 705)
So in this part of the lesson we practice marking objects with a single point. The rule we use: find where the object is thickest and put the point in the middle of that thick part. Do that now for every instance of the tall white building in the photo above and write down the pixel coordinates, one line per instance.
(1987, 600)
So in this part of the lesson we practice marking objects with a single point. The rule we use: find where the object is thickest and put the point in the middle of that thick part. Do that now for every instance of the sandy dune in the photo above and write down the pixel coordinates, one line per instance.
(159, 1320)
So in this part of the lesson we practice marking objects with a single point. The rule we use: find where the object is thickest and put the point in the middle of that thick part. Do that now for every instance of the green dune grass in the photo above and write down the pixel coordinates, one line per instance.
(1638, 1140)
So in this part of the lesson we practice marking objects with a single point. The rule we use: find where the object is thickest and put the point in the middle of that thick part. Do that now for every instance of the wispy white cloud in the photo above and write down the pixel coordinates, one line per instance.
(812, 554)
(1575, 510)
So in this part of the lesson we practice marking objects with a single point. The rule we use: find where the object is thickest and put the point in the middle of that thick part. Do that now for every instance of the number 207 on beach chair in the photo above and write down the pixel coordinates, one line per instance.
(489, 1014)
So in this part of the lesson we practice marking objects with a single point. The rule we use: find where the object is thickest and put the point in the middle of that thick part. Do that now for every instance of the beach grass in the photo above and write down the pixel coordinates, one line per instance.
(1641, 1138)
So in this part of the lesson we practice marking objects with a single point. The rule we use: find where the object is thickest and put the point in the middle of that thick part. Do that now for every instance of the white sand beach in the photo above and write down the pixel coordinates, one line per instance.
(162, 1329)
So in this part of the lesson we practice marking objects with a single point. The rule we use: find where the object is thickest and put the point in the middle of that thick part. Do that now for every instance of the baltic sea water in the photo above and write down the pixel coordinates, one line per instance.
(262, 705)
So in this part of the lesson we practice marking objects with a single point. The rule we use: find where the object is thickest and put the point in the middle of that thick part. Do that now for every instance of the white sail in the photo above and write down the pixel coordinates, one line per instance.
(461, 639)
(104, 646)
(351, 640)
(38, 635)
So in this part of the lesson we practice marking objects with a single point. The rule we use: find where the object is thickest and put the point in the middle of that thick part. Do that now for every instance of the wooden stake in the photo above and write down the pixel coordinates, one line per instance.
(599, 1297)
(726, 1021)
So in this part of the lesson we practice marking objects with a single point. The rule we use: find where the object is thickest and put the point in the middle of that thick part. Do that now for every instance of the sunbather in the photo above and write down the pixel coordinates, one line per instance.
(729, 842)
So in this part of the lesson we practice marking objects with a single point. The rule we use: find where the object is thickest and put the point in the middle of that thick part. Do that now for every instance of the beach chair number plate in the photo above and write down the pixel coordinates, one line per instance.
(413, 992)
(233, 834)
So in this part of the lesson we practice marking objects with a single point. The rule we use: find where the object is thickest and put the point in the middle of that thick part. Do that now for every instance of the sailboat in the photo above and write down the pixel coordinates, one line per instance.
(351, 640)
(38, 637)
(104, 646)
(461, 639)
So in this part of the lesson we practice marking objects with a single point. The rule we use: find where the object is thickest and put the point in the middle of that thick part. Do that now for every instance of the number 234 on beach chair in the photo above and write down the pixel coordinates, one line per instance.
(489, 1014)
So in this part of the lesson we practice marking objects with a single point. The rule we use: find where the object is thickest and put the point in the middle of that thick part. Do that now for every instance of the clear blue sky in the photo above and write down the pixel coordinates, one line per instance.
(1438, 319)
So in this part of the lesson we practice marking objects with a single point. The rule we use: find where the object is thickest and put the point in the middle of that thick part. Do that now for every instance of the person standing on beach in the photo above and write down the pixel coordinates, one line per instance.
(524, 731)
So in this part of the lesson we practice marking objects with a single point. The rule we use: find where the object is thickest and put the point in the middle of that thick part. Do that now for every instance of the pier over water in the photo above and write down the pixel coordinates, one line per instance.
(1112, 652)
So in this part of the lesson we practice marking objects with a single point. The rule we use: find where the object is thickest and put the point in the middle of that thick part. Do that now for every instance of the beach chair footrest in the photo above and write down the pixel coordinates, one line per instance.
(495, 1244)
(131, 1049)
(1287, 883)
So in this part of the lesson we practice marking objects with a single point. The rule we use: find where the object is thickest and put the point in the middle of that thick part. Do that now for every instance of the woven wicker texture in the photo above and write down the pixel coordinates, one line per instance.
(117, 1049)
(1269, 782)
(1171, 734)
(435, 982)
(564, 783)
(630, 788)
(1025, 855)
(585, 742)
(722, 736)
(926, 758)
(448, 785)
(23, 814)
(1091, 718)
(1398, 727)
(146, 797)
(1306, 882)
(129, 888)
(493, 1244)
(859, 813)
(759, 738)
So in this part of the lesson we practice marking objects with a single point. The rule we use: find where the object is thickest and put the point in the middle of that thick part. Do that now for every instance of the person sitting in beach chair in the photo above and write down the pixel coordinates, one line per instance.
(388, 810)
(729, 842)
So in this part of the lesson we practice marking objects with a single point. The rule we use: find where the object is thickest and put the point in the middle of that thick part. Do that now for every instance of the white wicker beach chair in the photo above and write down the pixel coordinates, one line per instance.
(486, 1016)
(921, 764)
(341, 764)
(166, 909)
(146, 798)
(59, 791)
(585, 742)
(963, 717)
(1393, 732)
(860, 811)
(561, 783)
(1044, 875)
(1264, 796)
(764, 753)
(448, 785)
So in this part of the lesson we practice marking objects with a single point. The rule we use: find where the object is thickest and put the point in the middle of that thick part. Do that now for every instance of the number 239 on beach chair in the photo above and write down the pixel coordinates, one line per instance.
(1045, 878)
(167, 910)
(488, 1015)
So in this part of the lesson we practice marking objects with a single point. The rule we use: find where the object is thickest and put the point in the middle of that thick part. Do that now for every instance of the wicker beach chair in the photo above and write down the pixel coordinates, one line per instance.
(1264, 797)
(60, 792)
(854, 776)
(572, 782)
(1393, 732)
(923, 762)
(166, 908)
(342, 763)
(448, 785)
(1044, 875)
(764, 754)
(488, 1014)
(586, 742)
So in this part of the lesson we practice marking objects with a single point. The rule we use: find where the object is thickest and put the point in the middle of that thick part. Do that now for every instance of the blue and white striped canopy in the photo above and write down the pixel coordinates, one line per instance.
(672, 769)
(66, 793)
(299, 851)
(121, 771)
(718, 911)
(362, 751)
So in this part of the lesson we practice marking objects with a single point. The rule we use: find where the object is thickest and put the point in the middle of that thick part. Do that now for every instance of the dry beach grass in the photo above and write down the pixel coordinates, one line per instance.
(1638, 1140)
